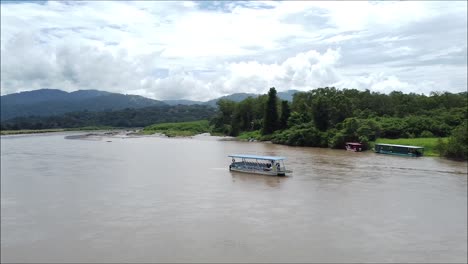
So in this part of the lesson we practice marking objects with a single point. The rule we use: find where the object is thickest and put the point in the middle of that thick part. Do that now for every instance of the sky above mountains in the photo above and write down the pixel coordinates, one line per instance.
(203, 50)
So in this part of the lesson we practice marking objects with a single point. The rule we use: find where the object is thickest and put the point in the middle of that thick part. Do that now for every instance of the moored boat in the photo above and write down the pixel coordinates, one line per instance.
(402, 150)
(266, 165)
(354, 146)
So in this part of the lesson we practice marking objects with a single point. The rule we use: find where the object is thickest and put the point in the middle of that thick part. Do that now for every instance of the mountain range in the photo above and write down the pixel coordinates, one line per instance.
(236, 97)
(48, 102)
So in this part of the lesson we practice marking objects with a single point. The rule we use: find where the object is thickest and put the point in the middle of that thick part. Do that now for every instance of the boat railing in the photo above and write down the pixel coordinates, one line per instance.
(259, 164)
(250, 165)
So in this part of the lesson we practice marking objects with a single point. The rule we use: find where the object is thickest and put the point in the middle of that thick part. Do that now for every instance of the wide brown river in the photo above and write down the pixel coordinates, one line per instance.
(153, 199)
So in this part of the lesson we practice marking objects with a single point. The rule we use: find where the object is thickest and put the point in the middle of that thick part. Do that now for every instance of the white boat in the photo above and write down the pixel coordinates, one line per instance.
(266, 165)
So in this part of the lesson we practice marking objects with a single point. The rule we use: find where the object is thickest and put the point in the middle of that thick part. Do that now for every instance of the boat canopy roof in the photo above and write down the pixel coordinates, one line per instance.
(353, 143)
(399, 146)
(256, 157)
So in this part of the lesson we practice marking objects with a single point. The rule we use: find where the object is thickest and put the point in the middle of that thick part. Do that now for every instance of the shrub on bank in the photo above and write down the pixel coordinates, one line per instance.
(302, 135)
(457, 144)
(179, 129)
(256, 134)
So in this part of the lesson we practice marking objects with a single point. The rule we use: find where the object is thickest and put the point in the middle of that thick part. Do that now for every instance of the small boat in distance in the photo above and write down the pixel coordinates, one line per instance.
(266, 165)
(353, 146)
(402, 150)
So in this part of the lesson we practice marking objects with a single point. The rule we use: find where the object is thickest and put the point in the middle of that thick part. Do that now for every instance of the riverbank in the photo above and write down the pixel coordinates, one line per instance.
(184, 129)
(189, 129)
(29, 131)
(39, 131)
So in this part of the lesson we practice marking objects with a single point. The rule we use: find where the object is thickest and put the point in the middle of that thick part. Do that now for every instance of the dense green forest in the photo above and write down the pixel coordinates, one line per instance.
(128, 117)
(328, 117)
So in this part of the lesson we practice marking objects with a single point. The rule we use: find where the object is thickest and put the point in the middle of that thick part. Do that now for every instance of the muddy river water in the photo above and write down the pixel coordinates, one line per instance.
(155, 199)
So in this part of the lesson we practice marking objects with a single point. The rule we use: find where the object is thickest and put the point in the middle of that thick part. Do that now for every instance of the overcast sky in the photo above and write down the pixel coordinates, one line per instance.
(203, 50)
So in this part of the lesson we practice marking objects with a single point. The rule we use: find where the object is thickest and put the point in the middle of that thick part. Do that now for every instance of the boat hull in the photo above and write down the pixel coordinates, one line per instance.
(400, 150)
(397, 154)
(262, 172)
(353, 150)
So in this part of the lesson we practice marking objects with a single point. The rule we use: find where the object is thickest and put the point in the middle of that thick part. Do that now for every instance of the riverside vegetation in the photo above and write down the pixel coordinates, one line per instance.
(323, 117)
(179, 129)
(328, 117)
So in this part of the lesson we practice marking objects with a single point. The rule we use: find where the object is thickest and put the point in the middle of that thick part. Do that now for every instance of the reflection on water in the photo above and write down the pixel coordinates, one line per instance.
(256, 179)
(155, 199)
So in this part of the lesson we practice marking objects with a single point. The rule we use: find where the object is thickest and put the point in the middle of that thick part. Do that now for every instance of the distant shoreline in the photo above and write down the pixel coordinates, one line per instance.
(29, 131)
(95, 132)
(42, 131)
(92, 132)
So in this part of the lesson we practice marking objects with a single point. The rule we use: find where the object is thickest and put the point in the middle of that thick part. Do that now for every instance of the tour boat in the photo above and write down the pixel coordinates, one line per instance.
(353, 146)
(402, 150)
(266, 165)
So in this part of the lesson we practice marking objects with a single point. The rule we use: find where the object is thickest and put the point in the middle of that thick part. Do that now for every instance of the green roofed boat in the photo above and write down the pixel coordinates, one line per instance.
(266, 165)
(402, 150)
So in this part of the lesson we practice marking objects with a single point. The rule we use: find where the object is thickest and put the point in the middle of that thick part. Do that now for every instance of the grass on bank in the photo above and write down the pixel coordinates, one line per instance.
(429, 144)
(256, 134)
(182, 129)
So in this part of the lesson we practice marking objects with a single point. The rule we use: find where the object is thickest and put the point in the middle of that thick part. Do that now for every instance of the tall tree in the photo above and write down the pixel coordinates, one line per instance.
(285, 113)
(270, 120)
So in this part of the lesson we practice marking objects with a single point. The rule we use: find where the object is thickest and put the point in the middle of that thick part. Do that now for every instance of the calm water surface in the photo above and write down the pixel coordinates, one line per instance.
(154, 199)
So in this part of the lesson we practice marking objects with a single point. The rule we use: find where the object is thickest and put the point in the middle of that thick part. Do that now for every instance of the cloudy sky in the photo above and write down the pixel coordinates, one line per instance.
(203, 50)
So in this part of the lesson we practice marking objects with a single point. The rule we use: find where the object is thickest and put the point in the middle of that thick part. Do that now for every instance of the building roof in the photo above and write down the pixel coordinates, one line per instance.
(256, 157)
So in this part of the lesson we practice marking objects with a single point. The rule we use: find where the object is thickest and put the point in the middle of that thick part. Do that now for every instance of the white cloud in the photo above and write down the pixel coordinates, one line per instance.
(304, 71)
(376, 82)
(169, 50)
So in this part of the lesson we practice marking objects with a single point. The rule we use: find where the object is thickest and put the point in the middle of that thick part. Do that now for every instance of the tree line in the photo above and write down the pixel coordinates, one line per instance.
(330, 117)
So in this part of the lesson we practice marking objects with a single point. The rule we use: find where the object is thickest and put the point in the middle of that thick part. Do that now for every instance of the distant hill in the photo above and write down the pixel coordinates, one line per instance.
(237, 97)
(32, 97)
(47, 102)
(182, 102)
(287, 95)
